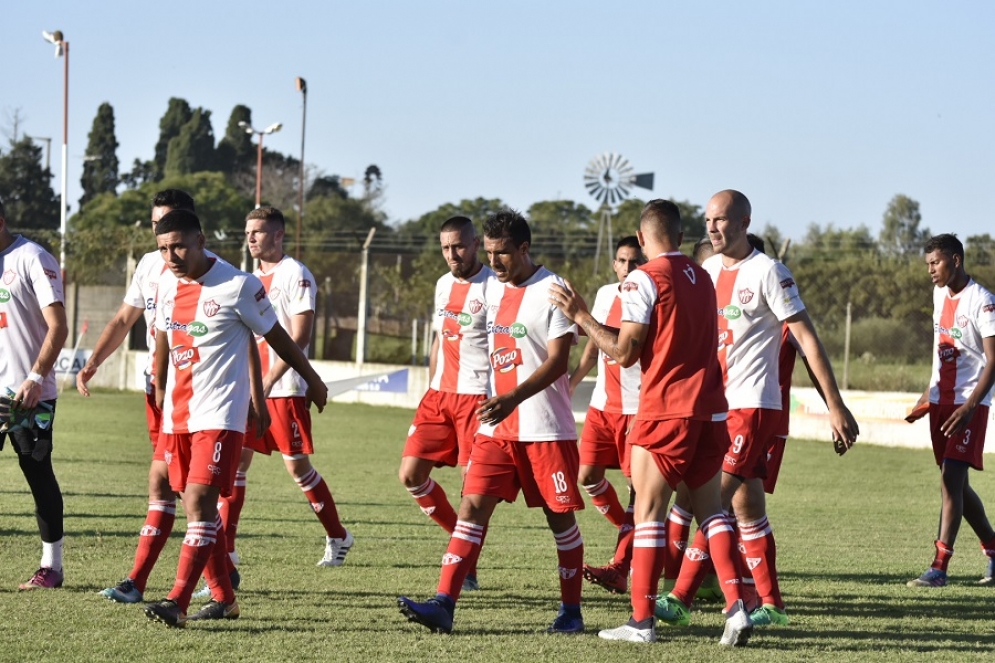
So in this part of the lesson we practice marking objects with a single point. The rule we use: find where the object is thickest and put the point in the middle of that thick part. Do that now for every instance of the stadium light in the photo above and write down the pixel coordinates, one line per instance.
(62, 50)
(271, 129)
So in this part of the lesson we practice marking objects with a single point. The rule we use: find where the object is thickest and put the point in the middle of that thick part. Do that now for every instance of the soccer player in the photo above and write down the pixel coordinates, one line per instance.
(959, 396)
(755, 296)
(446, 420)
(140, 300)
(33, 330)
(527, 440)
(613, 404)
(291, 290)
(679, 433)
(204, 320)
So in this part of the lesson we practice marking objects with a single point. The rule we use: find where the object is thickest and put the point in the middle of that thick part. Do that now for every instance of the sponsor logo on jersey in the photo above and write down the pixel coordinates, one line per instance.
(988, 308)
(947, 353)
(211, 308)
(4, 296)
(9, 276)
(787, 283)
(261, 294)
(695, 554)
(629, 286)
(515, 330)
(567, 574)
(451, 336)
(475, 306)
(725, 338)
(304, 284)
(464, 319)
(214, 469)
(506, 359)
(51, 274)
(150, 304)
(961, 448)
(609, 361)
(732, 312)
(184, 357)
(197, 329)
(746, 296)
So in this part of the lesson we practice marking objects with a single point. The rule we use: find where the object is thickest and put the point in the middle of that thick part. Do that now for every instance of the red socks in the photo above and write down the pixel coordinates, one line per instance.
(761, 558)
(649, 546)
(678, 529)
(433, 502)
(570, 554)
(156, 530)
(320, 497)
(943, 555)
(461, 556)
(230, 508)
(605, 500)
(196, 549)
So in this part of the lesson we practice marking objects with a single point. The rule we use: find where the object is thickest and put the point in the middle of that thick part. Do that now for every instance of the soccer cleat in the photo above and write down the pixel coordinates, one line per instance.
(739, 626)
(611, 577)
(931, 578)
(125, 592)
(336, 550)
(568, 621)
(767, 615)
(205, 591)
(167, 612)
(431, 614)
(217, 610)
(470, 584)
(630, 632)
(670, 610)
(710, 590)
(989, 579)
(44, 578)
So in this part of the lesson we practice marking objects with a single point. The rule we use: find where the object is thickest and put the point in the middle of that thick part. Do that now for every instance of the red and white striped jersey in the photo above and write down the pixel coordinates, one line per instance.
(960, 322)
(461, 365)
(681, 375)
(754, 297)
(29, 282)
(210, 323)
(520, 324)
(616, 389)
(143, 294)
(291, 290)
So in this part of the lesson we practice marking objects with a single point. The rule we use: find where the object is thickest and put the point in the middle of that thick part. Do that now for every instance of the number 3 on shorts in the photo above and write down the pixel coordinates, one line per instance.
(217, 452)
(559, 482)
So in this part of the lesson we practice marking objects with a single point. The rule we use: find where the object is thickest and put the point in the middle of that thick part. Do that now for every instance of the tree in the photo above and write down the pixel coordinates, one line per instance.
(326, 185)
(235, 149)
(900, 233)
(980, 250)
(178, 113)
(192, 150)
(100, 165)
(26, 188)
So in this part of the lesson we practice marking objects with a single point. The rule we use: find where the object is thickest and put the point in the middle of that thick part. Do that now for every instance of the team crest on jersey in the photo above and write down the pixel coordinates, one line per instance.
(183, 357)
(504, 360)
(962, 321)
(689, 272)
(9, 276)
(211, 308)
(746, 295)
(475, 306)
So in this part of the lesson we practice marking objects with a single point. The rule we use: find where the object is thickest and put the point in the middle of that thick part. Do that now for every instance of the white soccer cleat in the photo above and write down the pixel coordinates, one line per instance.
(336, 550)
(626, 633)
(738, 627)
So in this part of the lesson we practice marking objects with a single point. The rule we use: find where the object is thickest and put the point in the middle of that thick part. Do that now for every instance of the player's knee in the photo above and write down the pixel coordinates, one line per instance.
(590, 474)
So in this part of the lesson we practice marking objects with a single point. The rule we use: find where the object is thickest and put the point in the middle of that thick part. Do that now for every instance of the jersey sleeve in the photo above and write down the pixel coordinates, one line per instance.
(559, 324)
(440, 303)
(133, 297)
(300, 290)
(253, 306)
(781, 292)
(638, 297)
(984, 316)
(45, 280)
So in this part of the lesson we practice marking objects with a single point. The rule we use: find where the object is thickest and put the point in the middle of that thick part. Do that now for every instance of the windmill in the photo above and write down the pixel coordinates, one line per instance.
(609, 178)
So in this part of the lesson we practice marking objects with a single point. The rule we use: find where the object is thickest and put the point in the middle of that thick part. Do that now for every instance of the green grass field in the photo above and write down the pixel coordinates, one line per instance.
(850, 532)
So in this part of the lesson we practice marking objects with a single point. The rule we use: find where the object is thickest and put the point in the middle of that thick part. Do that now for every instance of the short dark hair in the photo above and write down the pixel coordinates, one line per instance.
(947, 243)
(174, 199)
(664, 217)
(268, 214)
(757, 242)
(178, 220)
(700, 247)
(630, 241)
(508, 223)
(456, 224)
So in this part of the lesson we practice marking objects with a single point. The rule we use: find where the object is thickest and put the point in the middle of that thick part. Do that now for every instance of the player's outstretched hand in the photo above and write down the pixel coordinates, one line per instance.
(495, 410)
(85, 375)
(845, 430)
(565, 298)
(317, 393)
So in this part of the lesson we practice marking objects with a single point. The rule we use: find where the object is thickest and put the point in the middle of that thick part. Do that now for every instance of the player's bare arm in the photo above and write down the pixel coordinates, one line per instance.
(494, 410)
(433, 360)
(110, 340)
(588, 359)
(961, 417)
(29, 392)
(288, 350)
(258, 413)
(161, 366)
(844, 426)
(623, 348)
(300, 332)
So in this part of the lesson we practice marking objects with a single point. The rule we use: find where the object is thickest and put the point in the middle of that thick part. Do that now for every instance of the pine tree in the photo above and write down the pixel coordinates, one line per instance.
(235, 149)
(178, 113)
(26, 188)
(192, 150)
(100, 165)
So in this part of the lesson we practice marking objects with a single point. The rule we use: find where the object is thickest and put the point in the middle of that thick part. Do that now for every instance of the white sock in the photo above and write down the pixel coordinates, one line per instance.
(51, 554)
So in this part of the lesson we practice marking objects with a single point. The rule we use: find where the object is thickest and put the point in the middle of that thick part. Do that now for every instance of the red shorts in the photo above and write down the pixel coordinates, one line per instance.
(775, 454)
(685, 450)
(289, 430)
(602, 442)
(208, 457)
(153, 418)
(545, 472)
(443, 428)
(751, 431)
(968, 445)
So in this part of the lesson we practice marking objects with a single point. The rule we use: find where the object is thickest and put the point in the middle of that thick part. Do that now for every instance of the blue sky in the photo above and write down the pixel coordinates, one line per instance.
(818, 111)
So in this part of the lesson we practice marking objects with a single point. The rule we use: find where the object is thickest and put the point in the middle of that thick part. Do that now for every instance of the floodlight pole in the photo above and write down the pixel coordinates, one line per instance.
(62, 50)
(361, 316)
(273, 128)
(302, 86)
